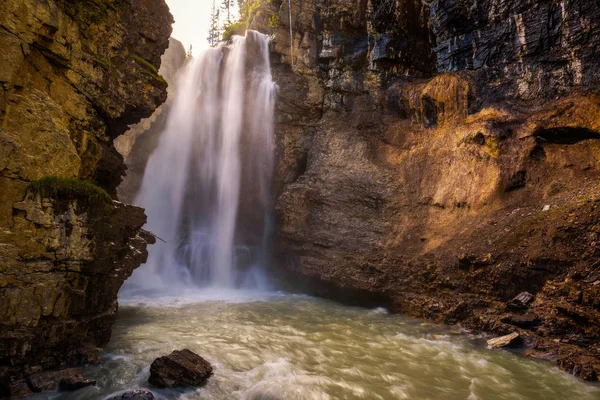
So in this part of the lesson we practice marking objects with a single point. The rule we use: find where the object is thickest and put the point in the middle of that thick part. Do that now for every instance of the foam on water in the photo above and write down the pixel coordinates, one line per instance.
(297, 347)
(182, 297)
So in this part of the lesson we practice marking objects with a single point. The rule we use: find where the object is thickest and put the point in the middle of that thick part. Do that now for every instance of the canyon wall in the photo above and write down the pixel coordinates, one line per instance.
(439, 158)
(137, 144)
(73, 76)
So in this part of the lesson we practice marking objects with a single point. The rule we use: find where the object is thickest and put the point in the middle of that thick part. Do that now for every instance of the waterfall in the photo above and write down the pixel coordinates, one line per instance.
(206, 188)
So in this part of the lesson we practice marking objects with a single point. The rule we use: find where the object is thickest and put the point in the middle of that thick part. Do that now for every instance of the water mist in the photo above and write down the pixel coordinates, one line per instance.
(206, 188)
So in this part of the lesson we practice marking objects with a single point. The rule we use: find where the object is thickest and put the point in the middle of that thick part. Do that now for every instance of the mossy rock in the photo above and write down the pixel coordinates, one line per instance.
(237, 28)
(70, 189)
(150, 69)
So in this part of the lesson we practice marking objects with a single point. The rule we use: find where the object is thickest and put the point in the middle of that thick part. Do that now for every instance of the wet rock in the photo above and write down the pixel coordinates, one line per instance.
(16, 389)
(140, 394)
(75, 381)
(42, 382)
(67, 379)
(521, 301)
(504, 341)
(180, 368)
(528, 320)
(586, 368)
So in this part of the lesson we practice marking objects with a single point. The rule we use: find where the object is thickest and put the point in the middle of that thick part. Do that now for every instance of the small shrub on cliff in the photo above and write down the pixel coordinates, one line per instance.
(274, 21)
(237, 28)
(67, 189)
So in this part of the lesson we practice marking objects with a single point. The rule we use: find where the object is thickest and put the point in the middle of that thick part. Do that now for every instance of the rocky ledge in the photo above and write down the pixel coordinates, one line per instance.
(73, 75)
(74, 256)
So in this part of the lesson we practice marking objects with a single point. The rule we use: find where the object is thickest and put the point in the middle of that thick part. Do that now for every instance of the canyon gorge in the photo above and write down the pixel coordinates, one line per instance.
(435, 158)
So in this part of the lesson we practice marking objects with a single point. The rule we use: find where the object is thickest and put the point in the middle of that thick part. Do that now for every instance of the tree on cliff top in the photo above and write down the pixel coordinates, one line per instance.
(227, 6)
(214, 34)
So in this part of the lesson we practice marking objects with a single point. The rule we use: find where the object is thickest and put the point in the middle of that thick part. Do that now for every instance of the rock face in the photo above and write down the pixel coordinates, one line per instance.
(140, 140)
(72, 77)
(73, 258)
(418, 146)
(180, 368)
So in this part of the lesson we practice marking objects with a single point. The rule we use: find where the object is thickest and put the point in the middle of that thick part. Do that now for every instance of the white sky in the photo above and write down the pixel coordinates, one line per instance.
(192, 20)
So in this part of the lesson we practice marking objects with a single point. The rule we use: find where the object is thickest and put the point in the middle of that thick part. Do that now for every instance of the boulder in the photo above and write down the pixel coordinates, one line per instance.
(521, 301)
(504, 341)
(528, 320)
(139, 394)
(42, 382)
(74, 381)
(16, 389)
(180, 368)
(67, 379)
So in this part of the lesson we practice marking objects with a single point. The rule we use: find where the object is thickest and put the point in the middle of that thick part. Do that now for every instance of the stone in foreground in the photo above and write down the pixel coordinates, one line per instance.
(139, 394)
(180, 368)
(504, 341)
(75, 381)
(66, 379)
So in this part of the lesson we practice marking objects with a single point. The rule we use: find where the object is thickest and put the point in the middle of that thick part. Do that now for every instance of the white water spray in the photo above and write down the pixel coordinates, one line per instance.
(206, 188)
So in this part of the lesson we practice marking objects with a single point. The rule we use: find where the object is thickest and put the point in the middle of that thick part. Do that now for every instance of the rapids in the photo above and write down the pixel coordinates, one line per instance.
(286, 347)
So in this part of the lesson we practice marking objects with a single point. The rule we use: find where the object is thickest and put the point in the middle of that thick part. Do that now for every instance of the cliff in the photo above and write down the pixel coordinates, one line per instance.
(72, 76)
(141, 139)
(439, 158)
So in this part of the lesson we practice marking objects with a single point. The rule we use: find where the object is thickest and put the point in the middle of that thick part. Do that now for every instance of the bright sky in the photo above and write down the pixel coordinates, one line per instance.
(192, 20)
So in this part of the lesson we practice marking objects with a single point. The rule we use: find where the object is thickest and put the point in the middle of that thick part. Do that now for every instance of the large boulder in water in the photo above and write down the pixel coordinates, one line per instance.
(180, 368)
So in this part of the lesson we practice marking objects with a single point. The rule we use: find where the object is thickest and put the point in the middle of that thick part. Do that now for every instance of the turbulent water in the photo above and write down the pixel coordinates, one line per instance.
(217, 145)
(295, 347)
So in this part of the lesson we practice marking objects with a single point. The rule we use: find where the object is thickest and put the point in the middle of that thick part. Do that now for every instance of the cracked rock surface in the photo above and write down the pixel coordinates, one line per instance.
(73, 75)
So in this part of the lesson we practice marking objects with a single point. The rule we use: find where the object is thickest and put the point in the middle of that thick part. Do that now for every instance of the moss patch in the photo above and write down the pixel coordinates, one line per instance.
(274, 21)
(103, 63)
(150, 69)
(68, 189)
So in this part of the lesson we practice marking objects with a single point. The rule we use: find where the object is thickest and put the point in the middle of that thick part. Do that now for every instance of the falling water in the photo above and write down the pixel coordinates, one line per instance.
(206, 186)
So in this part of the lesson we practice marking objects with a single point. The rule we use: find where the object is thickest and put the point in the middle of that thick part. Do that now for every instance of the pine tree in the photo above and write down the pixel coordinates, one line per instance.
(226, 6)
(214, 34)
(229, 6)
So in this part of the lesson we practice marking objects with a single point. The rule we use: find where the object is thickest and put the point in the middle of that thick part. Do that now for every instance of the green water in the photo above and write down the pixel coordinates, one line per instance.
(298, 347)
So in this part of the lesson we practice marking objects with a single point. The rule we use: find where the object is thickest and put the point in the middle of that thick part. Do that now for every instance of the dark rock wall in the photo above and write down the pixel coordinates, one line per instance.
(72, 76)
(61, 302)
(523, 49)
(418, 147)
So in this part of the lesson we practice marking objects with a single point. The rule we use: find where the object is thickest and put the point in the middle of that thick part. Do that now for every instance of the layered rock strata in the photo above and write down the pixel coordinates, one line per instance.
(442, 157)
(73, 75)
